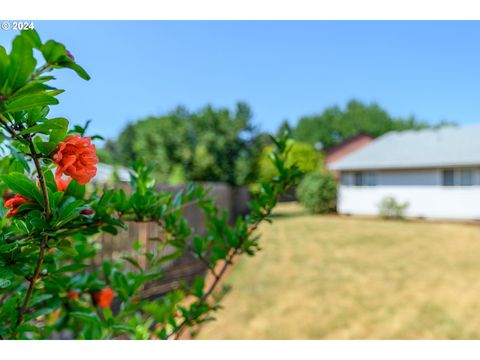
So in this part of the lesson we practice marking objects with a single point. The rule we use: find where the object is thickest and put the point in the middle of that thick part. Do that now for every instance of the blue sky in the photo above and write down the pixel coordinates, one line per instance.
(282, 69)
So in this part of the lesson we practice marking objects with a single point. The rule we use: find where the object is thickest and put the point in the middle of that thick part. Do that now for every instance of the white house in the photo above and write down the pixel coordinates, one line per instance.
(436, 171)
(106, 173)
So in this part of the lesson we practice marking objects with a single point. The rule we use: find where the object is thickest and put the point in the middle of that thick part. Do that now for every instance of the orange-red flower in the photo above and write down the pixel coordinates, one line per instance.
(14, 203)
(62, 183)
(104, 297)
(73, 295)
(76, 157)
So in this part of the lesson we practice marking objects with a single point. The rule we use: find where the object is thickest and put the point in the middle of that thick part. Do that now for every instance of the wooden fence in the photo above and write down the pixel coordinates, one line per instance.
(233, 199)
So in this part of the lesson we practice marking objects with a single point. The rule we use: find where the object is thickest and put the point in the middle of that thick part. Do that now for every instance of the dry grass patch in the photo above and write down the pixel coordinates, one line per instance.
(328, 277)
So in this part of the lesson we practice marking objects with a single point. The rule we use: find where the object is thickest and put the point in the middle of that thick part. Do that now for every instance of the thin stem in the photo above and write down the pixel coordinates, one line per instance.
(41, 179)
(43, 242)
(40, 71)
(7, 126)
(36, 274)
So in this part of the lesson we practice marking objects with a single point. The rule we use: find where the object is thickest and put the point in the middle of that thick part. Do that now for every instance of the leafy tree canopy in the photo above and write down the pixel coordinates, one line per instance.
(301, 154)
(335, 124)
(209, 145)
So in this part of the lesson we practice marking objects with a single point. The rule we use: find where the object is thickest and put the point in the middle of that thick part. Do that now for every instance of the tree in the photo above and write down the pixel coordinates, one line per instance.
(301, 154)
(209, 145)
(335, 125)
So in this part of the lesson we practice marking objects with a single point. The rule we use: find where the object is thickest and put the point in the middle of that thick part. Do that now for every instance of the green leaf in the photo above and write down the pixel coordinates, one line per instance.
(39, 299)
(22, 62)
(22, 185)
(4, 66)
(67, 248)
(29, 102)
(33, 37)
(5, 278)
(30, 88)
(53, 51)
(68, 212)
(75, 190)
(56, 54)
(90, 317)
(38, 313)
(107, 268)
(198, 286)
(72, 267)
(77, 68)
(198, 245)
(110, 229)
(58, 135)
(133, 262)
(46, 126)
(46, 148)
(50, 180)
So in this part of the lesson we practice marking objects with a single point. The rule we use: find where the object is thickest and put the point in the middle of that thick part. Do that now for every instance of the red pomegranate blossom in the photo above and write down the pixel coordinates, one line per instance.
(104, 297)
(62, 184)
(14, 203)
(75, 157)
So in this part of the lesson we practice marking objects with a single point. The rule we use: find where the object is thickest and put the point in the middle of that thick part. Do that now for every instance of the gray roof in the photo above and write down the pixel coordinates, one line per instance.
(445, 147)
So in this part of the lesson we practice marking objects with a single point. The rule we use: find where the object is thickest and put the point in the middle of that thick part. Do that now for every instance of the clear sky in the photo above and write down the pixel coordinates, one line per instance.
(282, 69)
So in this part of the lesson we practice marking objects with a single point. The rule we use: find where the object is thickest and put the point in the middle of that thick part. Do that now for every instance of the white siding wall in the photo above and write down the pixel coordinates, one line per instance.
(424, 201)
(422, 189)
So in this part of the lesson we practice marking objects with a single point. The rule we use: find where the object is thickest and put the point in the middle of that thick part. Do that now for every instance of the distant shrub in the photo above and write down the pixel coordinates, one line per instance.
(317, 192)
(390, 208)
(301, 154)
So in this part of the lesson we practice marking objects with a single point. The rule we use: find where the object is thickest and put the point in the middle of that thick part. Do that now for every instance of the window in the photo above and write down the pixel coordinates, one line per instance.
(370, 179)
(457, 177)
(365, 179)
(448, 178)
(358, 179)
(345, 179)
(466, 177)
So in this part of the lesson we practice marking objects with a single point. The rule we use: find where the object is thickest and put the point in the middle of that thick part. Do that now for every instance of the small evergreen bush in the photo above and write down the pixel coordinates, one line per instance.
(317, 192)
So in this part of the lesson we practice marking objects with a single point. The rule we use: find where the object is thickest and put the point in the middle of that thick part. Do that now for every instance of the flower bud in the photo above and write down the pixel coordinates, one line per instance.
(69, 54)
(104, 297)
(73, 295)
(8, 194)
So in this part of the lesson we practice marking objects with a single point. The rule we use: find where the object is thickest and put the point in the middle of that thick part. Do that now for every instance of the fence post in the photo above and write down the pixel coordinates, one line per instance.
(143, 239)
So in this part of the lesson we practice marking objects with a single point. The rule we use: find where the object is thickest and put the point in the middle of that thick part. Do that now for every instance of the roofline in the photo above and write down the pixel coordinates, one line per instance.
(348, 141)
(406, 167)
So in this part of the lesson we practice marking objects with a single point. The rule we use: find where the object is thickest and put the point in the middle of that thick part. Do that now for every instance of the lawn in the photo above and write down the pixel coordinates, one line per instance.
(330, 277)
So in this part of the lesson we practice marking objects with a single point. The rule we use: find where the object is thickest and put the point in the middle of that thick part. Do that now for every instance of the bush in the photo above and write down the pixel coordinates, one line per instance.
(318, 192)
(302, 154)
(389, 208)
(50, 217)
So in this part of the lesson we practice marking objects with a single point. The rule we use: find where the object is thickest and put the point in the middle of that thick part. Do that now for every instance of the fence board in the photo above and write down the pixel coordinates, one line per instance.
(232, 199)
